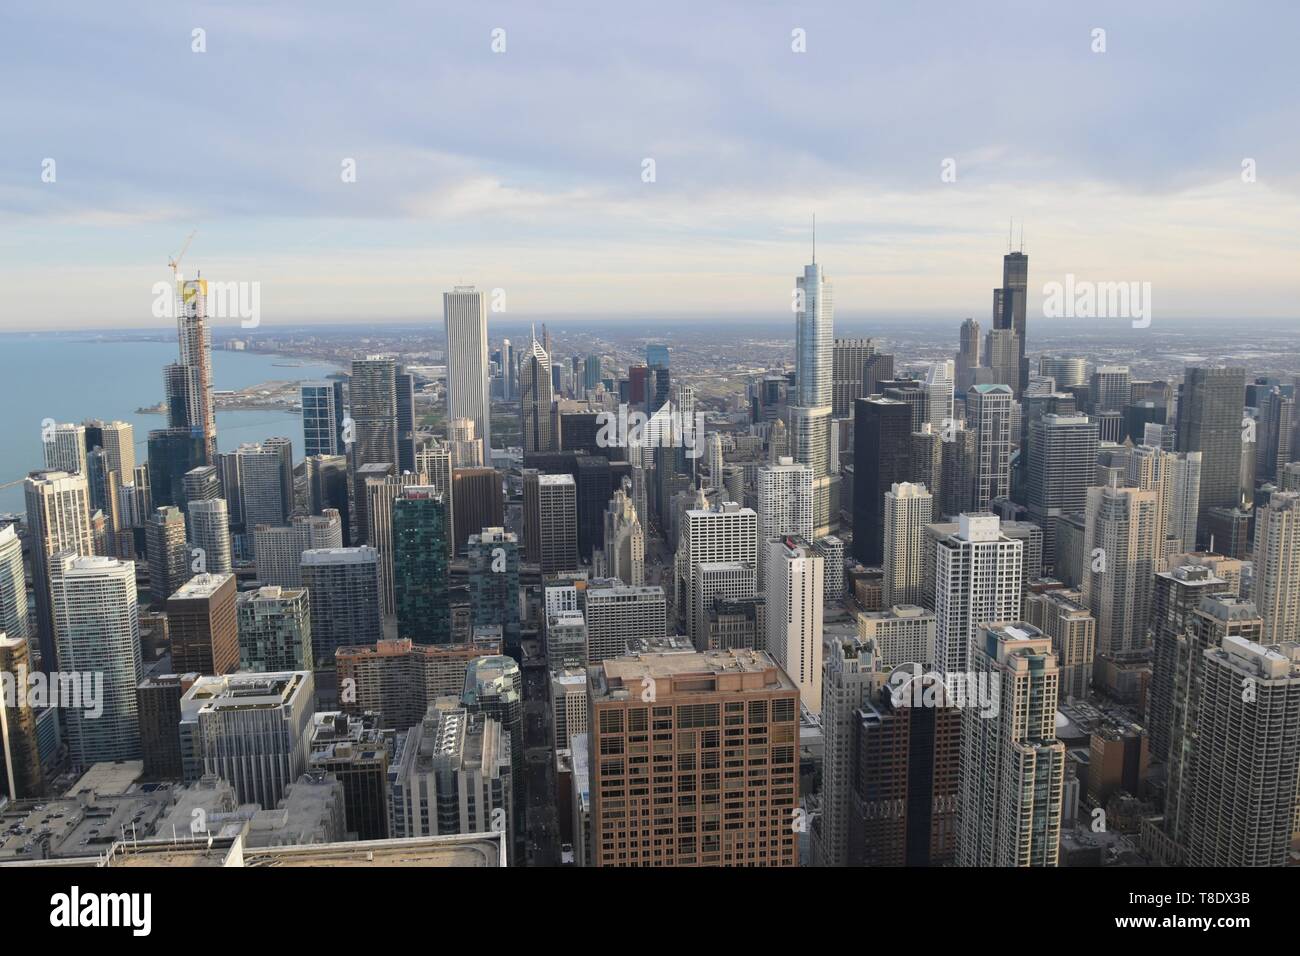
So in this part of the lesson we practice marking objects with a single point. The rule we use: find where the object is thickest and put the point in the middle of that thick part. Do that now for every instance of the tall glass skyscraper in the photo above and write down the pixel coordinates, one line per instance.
(322, 418)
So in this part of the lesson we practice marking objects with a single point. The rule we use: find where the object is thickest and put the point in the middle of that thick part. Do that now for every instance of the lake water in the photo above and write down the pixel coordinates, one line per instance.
(71, 380)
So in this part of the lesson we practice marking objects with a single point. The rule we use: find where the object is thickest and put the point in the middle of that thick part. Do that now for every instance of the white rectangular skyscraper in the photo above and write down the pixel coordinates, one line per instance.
(465, 316)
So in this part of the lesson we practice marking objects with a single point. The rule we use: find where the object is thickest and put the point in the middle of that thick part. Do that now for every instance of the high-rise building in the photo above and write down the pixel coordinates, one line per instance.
(476, 502)
(266, 481)
(21, 777)
(97, 621)
(1009, 308)
(566, 639)
(882, 444)
(624, 538)
(327, 488)
(465, 315)
(158, 701)
(556, 522)
(969, 358)
(250, 730)
(848, 373)
(209, 526)
(1062, 616)
(322, 418)
(15, 620)
(420, 572)
(343, 586)
(353, 749)
(1214, 620)
(902, 634)
(1065, 371)
(569, 704)
(977, 571)
(1276, 431)
(851, 674)
(1062, 459)
(398, 680)
(795, 588)
(203, 626)
(494, 688)
(908, 508)
(1178, 595)
(906, 754)
(940, 379)
(274, 626)
(689, 694)
(1275, 585)
(812, 407)
(1121, 558)
(494, 582)
(1240, 794)
(1012, 768)
(1210, 421)
(65, 448)
(170, 563)
(988, 415)
(784, 499)
(618, 615)
(58, 519)
(725, 532)
(279, 549)
(404, 382)
(1110, 389)
(536, 394)
(452, 773)
(372, 402)
(173, 453)
(194, 339)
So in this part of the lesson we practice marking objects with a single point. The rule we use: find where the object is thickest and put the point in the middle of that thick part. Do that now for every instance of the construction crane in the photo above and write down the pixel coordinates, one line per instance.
(175, 262)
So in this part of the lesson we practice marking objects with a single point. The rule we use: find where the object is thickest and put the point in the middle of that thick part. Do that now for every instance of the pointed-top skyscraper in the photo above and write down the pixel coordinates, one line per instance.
(813, 404)
(535, 393)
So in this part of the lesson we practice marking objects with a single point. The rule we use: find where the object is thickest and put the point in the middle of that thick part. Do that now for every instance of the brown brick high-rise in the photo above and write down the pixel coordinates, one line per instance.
(694, 760)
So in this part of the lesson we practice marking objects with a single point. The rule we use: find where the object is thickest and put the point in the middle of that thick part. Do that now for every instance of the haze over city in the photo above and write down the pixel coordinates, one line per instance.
(516, 160)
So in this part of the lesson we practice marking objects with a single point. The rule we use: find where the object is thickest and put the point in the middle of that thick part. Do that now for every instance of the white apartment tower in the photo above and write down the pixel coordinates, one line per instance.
(465, 314)
(977, 580)
(97, 621)
(795, 588)
(784, 494)
(908, 509)
(1275, 588)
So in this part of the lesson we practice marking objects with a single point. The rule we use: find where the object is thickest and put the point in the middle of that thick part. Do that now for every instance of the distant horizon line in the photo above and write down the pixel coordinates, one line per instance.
(557, 320)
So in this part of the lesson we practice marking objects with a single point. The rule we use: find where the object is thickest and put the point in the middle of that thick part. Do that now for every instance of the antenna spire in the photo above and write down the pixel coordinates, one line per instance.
(814, 262)
(1010, 227)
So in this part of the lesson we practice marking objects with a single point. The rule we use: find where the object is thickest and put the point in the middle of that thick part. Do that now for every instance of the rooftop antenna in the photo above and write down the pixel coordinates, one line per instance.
(814, 262)
(1022, 237)
(1010, 226)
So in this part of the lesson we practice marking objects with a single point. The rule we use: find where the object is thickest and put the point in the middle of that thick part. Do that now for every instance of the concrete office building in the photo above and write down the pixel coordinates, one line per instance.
(250, 730)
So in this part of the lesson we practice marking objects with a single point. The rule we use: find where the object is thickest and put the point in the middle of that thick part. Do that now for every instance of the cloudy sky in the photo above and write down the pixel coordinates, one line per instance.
(523, 169)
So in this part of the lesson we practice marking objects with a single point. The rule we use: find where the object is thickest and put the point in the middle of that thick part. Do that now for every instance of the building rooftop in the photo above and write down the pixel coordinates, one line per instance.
(730, 671)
